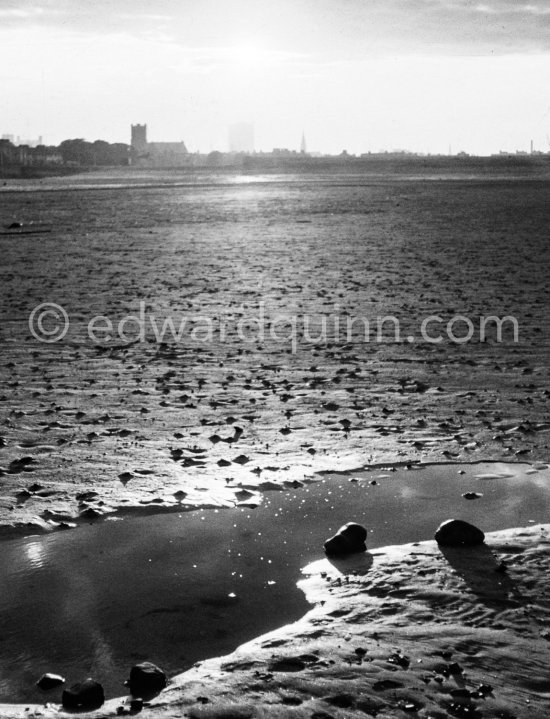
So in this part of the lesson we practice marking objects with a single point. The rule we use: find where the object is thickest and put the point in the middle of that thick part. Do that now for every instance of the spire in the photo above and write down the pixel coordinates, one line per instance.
(303, 146)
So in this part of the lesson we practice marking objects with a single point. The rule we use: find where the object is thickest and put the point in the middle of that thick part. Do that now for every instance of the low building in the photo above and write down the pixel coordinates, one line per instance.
(156, 154)
(166, 154)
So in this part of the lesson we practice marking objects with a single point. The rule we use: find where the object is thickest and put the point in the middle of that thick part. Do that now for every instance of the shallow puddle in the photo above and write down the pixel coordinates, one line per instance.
(176, 588)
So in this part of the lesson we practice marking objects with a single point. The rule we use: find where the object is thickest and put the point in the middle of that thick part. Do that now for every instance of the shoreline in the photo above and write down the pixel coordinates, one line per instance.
(382, 639)
(70, 522)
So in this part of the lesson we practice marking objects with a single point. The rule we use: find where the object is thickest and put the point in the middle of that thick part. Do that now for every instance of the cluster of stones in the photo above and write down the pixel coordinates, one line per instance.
(145, 681)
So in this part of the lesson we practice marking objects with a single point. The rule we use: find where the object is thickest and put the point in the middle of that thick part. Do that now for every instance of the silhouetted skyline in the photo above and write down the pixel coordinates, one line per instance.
(358, 75)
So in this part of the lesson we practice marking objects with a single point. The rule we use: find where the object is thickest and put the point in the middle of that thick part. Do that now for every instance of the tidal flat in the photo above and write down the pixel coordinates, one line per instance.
(130, 424)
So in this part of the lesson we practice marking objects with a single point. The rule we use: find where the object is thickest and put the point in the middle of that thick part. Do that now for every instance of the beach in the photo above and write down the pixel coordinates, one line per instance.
(228, 336)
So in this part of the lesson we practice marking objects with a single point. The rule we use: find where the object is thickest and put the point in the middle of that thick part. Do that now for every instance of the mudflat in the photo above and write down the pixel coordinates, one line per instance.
(292, 267)
(231, 335)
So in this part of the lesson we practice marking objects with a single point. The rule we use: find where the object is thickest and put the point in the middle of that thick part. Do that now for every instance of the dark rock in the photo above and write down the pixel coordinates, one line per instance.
(457, 533)
(348, 539)
(90, 513)
(146, 679)
(472, 495)
(455, 669)
(136, 705)
(399, 659)
(88, 694)
(35, 487)
(49, 681)
(337, 545)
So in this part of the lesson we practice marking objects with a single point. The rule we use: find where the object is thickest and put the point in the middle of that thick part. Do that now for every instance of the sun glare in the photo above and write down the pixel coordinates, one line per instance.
(248, 55)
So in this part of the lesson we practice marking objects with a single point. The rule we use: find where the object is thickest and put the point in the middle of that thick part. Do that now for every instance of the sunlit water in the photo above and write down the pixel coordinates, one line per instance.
(176, 588)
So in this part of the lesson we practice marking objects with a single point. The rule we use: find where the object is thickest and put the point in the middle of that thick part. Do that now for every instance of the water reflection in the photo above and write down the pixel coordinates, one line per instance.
(181, 587)
(35, 554)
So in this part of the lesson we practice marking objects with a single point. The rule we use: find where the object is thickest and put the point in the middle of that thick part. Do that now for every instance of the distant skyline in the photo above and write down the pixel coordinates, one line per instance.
(360, 75)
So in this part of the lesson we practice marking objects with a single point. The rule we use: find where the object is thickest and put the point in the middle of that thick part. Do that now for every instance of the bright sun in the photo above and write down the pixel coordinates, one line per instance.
(248, 55)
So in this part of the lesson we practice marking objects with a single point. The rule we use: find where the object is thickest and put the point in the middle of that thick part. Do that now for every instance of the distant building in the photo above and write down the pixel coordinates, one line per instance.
(283, 152)
(241, 137)
(166, 154)
(157, 154)
(139, 138)
(29, 143)
(303, 146)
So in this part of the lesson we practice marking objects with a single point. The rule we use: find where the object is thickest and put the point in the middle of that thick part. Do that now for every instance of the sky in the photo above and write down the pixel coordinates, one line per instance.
(359, 75)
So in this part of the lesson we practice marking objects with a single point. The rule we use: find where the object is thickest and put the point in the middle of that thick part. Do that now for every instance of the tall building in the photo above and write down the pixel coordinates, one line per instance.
(241, 137)
(303, 146)
(139, 138)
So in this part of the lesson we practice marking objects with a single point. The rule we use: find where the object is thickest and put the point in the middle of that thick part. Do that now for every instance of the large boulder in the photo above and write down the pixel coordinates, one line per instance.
(146, 679)
(88, 694)
(348, 539)
(457, 533)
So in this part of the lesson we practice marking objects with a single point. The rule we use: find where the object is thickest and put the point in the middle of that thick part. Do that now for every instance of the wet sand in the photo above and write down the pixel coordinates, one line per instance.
(188, 586)
(402, 631)
(114, 425)
(89, 429)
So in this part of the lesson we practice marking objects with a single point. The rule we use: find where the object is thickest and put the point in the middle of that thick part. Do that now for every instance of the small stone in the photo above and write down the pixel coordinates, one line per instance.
(49, 681)
(457, 533)
(399, 659)
(90, 513)
(146, 679)
(136, 705)
(455, 669)
(348, 539)
(88, 694)
(472, 495)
